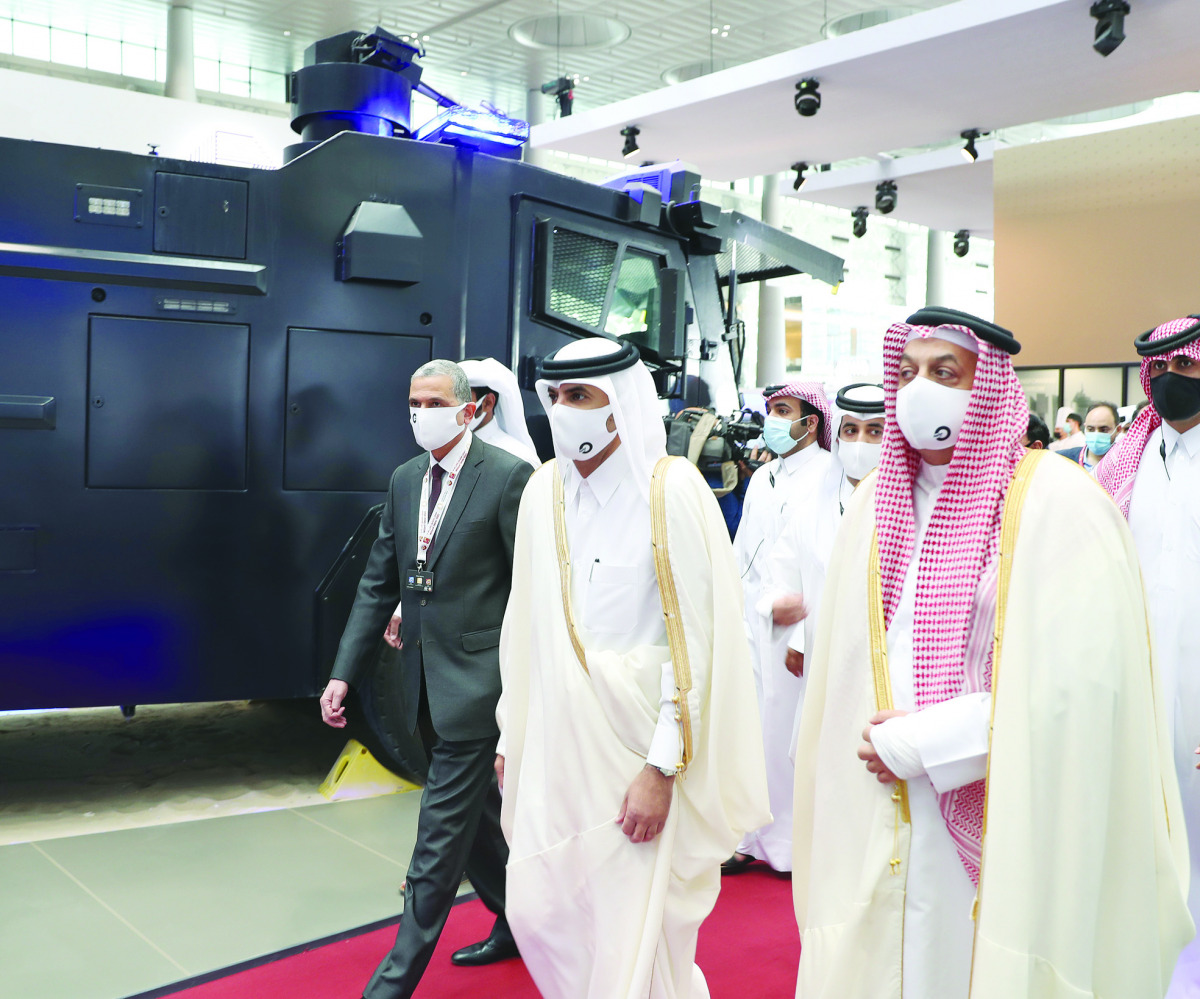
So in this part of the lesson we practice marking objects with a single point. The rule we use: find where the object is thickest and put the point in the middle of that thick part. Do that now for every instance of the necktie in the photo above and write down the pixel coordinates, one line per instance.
(435, 486)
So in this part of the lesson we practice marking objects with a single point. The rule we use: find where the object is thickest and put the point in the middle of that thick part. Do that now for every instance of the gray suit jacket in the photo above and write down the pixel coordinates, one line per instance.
(453, 633)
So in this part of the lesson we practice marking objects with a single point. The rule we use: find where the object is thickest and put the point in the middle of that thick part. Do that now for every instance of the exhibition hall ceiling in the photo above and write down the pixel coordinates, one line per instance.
(622, 47)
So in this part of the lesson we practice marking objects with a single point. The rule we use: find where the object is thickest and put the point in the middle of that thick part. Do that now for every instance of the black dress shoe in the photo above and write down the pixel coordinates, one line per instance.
(487, 951)
(736, 864)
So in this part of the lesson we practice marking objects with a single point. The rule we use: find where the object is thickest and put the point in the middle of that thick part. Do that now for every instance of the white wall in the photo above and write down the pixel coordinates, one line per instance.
(49, 109)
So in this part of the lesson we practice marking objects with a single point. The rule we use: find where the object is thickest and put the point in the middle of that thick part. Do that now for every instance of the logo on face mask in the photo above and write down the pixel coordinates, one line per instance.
(585, 447)
(942, 433)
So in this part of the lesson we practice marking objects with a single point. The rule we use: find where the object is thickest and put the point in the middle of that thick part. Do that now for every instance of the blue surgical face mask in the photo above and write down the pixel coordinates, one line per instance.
(777, 431)
(1098, 443)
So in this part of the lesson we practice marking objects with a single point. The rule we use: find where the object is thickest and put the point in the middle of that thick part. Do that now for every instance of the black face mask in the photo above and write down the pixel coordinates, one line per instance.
(1175, 396)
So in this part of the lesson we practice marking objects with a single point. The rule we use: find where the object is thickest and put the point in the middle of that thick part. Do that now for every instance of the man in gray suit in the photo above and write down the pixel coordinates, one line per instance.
(444, 552)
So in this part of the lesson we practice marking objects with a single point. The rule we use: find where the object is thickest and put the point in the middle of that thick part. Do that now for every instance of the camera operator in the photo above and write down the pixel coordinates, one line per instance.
(720, 449)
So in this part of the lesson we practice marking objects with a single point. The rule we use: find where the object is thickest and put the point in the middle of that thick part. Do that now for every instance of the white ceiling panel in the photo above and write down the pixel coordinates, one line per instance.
(983, 64)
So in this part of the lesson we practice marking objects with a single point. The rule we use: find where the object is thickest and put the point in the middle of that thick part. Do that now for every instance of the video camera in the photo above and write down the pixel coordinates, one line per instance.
(715, 444)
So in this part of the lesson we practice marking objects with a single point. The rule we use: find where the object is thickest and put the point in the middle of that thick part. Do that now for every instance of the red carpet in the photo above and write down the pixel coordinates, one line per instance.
(748, 949)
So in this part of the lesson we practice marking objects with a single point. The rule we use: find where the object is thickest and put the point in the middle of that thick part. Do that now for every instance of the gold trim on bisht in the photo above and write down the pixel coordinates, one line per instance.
(1014, 503)
(564, 564)
(676, 638)
(883, 685)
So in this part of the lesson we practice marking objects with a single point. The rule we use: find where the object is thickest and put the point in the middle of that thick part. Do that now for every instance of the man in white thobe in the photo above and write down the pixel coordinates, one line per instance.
(499, 413)
(796, 429)
(985, 806)
(1153, 472)
(794, 577)
(629, 755)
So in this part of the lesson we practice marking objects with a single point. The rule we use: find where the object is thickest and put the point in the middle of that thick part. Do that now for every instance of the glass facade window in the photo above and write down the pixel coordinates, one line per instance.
(103, 54)
(6, 39)
(208, 75)
(31, 40)
(1084, 387)
(1041, 391)
(266, 86)
(137, 61)
(68, 47)
(1133, 386)
(235, 79)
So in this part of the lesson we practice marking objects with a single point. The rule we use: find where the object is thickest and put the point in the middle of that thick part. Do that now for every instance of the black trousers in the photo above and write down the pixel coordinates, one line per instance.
(458, 831)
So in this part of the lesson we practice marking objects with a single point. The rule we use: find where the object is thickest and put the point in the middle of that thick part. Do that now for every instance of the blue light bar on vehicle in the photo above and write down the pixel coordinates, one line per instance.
(484, 130)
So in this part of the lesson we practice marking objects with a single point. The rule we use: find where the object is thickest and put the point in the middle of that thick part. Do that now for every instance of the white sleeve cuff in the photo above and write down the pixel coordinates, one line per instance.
(666, 749)
(948, 742)
(795, 640)
(897, 748)
(396, 612)
(765, 605)
(952, 739)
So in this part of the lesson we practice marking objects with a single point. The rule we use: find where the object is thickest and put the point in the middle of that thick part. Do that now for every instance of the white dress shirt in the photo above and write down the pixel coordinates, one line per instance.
(614, 590)
(449, 460)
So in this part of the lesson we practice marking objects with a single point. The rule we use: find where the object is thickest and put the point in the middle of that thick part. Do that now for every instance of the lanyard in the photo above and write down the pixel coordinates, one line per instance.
(428, 524)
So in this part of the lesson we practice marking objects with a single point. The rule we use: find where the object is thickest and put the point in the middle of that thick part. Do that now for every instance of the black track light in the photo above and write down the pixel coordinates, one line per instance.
(970, 153)
(885, 196)
(808, 98)
(962, 242)
(631, 132)
(1110, 24)
(860, 221)
(563, 91)
(799, 168)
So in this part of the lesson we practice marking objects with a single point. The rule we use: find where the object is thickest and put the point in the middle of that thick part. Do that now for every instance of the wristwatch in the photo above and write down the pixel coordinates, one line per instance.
(666, 771)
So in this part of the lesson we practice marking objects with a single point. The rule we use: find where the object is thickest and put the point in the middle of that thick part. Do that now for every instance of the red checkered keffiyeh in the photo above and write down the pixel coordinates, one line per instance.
(1118, 469)
(959, 551)
(812, 392)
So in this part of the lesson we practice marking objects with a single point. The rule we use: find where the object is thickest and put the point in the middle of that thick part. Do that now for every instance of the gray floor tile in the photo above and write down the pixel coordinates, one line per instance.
(386, 824)
(58, 942)
(217, 892)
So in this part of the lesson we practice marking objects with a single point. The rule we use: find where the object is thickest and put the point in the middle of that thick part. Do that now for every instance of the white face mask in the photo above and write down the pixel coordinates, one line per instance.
(931, 415)
(858, 457)
(580, 433)
(435, 427)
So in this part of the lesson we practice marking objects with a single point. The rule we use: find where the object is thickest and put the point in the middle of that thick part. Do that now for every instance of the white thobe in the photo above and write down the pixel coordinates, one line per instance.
(797, 564)
(614, 588)
(935, 750)
(491, 433)
(1164, 515)
(781, 490)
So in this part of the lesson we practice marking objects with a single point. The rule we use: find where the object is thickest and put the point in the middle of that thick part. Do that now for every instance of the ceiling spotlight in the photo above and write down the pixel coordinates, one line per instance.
(1110, 24)
(962, 242)
(808, 97)
(799, 168)
(631, 132)
(970, 153)
(885, 196)
(860, 221)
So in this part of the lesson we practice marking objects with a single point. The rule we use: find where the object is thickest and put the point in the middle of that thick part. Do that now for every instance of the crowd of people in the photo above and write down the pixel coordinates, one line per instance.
(621, 705)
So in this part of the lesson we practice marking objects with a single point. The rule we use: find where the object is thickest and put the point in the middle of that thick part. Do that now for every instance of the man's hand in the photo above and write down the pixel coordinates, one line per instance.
(866, 752)
(647, 802)
(391, 634)
(794, 662)
(332, 711)
(499, 767)
(789, 609)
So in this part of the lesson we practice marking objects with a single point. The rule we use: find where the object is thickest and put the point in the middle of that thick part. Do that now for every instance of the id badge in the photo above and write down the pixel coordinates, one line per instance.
(419, 580)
